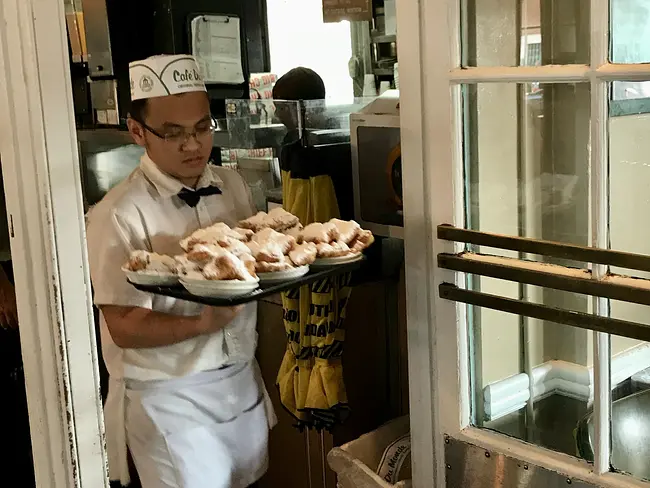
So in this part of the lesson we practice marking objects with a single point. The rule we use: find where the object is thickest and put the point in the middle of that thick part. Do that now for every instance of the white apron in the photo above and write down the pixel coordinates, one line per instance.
(206, 430)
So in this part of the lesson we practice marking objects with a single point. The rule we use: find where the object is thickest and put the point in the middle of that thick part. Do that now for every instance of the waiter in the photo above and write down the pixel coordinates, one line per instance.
(185, 391)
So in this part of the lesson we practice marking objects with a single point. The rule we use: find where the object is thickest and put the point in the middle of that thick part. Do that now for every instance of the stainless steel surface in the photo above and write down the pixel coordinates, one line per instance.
(103, 139)
(469, 466)
(630, 434)
(106, 158)
(100, 59)
(103, 94)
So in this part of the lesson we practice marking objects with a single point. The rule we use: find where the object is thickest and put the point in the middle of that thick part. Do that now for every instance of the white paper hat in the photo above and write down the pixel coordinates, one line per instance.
(163, 75)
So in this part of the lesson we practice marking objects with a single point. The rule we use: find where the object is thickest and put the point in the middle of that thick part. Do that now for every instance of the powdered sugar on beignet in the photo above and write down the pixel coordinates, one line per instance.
(151, 262)
(347, 230)
(320, 233)
(333, 250)
(363, 240)
(271, 237)
(304, 254)
(227, 267)
(217, 234)
(277, 219)
(204, 253)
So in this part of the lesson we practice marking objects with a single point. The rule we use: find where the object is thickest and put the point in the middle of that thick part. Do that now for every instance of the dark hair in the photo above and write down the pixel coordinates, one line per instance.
(299, 84)
(138, 109)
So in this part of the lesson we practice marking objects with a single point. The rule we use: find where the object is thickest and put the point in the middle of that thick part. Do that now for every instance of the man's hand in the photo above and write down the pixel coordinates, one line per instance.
(214, 319)
(8, 309)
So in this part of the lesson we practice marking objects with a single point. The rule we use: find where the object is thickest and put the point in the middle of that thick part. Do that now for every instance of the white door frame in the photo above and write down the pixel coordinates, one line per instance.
(431, 123)
(44, 200)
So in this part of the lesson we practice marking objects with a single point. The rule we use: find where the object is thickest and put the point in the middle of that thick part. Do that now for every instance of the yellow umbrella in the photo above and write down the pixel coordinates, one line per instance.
(308, 193)
(295, 370)
(326, 396)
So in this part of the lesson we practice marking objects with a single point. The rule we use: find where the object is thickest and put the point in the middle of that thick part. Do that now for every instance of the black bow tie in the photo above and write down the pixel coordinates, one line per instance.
(192, 197)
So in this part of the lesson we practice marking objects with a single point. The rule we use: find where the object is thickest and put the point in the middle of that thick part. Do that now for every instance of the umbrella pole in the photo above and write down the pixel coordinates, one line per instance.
(322, 458)
(308, 453)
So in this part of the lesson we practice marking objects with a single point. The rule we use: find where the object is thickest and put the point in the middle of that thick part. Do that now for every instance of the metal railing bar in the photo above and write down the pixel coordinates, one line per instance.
(544, 312)
(584, 286)
(639, 262)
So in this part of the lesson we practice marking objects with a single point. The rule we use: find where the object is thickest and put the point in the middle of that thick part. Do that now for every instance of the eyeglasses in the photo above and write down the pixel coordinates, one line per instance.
(182, 136)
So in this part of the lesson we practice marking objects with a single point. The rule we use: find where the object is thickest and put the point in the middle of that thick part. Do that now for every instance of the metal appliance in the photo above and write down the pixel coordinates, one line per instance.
(377, 166)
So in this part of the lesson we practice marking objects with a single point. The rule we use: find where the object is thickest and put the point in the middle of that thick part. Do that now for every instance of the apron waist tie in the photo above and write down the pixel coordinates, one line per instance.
(114, 419)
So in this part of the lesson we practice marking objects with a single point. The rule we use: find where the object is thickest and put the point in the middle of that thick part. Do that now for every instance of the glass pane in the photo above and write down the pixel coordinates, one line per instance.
(630, 370)
(525, 33)
(629, 169)
(527, 174)
(630, 31)
(530, 377)
(527, 160)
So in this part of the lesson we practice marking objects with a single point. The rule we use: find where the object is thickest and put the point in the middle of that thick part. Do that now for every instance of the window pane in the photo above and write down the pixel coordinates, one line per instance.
(530, 377)
(629, 170)
(525, 33)
(527, 174)
(630, 370)
(630, 31)
(527, 160)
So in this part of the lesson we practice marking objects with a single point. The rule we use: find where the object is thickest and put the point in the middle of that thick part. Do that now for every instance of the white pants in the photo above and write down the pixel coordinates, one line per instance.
(206, 431)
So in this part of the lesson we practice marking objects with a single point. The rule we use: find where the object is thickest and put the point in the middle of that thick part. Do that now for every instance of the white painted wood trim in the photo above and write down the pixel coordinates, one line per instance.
(43, 189)
(627, 72)
(427, 457)
(548, 74)
(599, 206)
(560, 377)
(567, 73)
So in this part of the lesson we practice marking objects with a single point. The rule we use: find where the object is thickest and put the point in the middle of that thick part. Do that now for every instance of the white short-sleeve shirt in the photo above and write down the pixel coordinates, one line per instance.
(144, 212)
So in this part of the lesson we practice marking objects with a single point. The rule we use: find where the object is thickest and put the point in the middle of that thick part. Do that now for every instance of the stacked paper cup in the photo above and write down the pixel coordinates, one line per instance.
(369, 86)
(396, 75)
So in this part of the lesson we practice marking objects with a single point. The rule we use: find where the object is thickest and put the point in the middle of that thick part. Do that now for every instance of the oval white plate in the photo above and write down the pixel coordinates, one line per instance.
(148, 278)
(323, 262)
(219, 289)
(289, 274)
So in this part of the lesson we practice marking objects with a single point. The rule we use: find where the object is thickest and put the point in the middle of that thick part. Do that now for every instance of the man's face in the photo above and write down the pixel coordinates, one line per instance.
(178, 135)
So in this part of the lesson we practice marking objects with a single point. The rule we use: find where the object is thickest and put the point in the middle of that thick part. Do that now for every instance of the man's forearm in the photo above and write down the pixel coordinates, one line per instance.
(133, 328)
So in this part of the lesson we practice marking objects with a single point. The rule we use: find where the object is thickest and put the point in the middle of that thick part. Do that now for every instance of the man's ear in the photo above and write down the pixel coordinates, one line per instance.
(137, 131)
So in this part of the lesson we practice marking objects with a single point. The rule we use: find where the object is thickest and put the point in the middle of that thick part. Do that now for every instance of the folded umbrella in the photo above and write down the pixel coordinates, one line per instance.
(326, 396)
(295, 370)
(308, 192)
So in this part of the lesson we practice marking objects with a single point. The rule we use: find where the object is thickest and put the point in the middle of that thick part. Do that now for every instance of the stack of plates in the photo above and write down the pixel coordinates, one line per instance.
(149, 278)
(219, 289)
(326, 262)
(290, 274)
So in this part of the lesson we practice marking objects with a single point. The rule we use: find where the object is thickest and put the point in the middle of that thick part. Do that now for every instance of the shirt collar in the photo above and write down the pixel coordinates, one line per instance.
(168, 186)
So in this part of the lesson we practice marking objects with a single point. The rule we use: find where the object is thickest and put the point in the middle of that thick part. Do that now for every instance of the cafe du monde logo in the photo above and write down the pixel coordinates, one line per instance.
(146, 83)
(186, 76)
